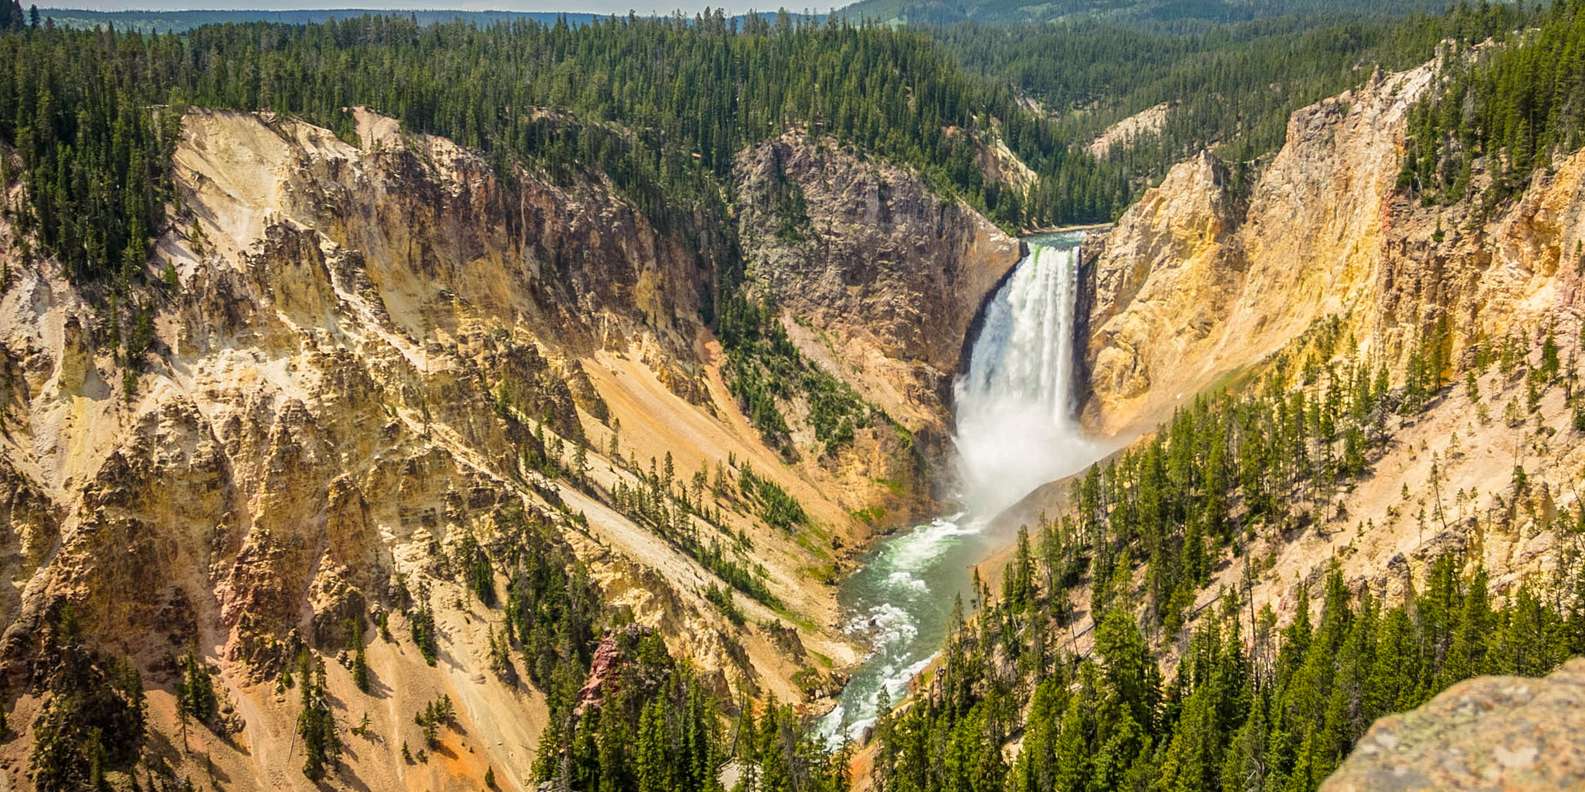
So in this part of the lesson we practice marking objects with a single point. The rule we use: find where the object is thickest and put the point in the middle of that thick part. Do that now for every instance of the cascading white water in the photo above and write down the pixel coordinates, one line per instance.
(1015, 424)
(1015, 430)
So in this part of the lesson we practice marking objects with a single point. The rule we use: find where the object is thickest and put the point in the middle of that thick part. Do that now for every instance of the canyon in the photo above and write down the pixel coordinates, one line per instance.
(373, 357)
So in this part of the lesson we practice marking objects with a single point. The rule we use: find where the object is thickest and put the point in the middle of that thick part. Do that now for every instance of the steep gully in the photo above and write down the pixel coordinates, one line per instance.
(1015, 430)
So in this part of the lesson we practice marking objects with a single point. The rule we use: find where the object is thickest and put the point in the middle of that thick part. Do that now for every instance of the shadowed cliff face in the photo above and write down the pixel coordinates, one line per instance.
(875, 277)
(878, 275)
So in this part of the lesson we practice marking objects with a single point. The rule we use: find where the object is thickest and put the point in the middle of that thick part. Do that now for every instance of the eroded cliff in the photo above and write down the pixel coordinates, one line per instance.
(369, 367)
(1202, 277)
(1324, 264)
(875, 277)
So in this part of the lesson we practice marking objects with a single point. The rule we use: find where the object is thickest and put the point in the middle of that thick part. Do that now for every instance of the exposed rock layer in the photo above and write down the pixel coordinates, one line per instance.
(361, 353)
(879, 277)
(1199, 279)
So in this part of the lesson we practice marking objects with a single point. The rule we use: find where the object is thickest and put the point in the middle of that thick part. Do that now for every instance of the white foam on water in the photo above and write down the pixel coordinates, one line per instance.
(926, 543)
(889, 624)
(907, 580)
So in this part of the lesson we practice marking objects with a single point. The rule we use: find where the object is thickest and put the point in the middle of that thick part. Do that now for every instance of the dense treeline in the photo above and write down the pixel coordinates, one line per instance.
(650, 724)
(1140, 14)
(81, 108)
(177, 21)
(666, 103)
(1252, 707)
(1267, 459)
(1503, 110)
(95, 161)
(1230, 87)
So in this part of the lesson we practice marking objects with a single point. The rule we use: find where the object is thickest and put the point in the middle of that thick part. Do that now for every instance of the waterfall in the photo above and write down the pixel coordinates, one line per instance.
(1015, 406)
(1015, 431)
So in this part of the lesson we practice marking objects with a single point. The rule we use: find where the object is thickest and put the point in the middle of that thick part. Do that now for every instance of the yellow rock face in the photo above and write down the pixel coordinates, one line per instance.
(1199, 283)
(364, 348)
(1196, 282)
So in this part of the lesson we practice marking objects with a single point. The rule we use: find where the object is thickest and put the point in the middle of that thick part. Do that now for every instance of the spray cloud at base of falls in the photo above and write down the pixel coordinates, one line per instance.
(1015, 430)
(1015, 424)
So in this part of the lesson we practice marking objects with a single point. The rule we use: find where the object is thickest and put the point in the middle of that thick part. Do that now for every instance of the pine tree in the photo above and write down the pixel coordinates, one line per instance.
(1466, 653)
(1018, 583)
(360, 664)
(421, 624)
(652, 766)
(316, 723)
(1130, 673)
(195, 691)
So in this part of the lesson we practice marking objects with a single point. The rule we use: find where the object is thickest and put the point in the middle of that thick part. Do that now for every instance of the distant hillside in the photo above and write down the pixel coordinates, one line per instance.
(1145, 12)
(180, 21)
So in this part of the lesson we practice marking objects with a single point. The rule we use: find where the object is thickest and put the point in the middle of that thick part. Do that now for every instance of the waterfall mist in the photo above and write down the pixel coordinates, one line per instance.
(1015, 406)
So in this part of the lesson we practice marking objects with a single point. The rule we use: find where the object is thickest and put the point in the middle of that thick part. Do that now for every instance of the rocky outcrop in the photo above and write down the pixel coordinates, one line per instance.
(1489, 733)
(1154, 281)
(876, 277)
(1130, 130)
(1194, 282)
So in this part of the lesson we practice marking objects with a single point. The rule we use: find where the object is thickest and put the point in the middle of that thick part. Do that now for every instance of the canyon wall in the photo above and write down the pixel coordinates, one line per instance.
(875, 275)
(1208, 280)
(360, 361)
(1201, 277)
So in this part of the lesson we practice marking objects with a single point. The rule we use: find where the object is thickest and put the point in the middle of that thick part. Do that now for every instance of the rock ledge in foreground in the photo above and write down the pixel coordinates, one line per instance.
(1488, 733)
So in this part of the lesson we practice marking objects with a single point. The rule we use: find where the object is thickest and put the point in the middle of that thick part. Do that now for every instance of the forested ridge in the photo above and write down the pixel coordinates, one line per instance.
(1256, 708)
(1501, 112)
(663, 105)
(1229, 88)
(1158, 14)
(1252, 704)
(91, 113)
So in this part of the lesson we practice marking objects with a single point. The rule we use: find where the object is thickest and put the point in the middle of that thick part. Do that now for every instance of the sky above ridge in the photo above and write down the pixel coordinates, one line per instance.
(572, 6)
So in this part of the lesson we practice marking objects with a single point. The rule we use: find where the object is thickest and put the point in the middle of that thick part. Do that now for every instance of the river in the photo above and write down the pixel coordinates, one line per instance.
(1015, 429)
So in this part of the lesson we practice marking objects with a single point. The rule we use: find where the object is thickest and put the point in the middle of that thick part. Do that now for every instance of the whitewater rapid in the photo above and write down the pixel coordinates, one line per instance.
(1015, 430)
